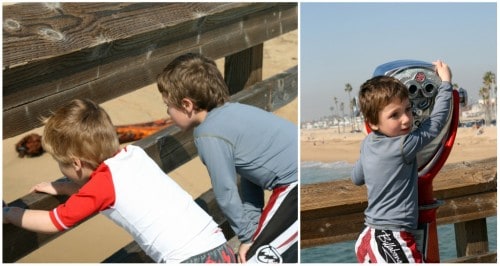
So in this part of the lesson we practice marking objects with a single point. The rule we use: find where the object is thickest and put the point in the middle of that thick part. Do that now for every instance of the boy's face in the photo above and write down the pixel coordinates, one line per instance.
(396, 119)
(180, 116)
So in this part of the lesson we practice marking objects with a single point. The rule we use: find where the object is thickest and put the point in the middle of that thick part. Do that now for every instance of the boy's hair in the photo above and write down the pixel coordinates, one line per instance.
(195, 77)
(376, 93)
(80, 129)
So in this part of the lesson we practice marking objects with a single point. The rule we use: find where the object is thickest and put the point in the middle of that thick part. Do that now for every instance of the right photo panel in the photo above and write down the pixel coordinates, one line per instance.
(398, 137)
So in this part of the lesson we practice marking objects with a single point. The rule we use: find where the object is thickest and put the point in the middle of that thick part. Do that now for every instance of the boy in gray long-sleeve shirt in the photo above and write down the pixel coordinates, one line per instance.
(388, 166)
(237, 139)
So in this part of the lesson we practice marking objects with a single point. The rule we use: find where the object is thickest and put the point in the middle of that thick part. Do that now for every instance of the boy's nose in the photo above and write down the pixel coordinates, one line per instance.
(406, 119)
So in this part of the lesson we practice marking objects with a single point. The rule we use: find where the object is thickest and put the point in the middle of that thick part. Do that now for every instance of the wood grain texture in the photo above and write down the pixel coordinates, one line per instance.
(471, 238)
(57, 52)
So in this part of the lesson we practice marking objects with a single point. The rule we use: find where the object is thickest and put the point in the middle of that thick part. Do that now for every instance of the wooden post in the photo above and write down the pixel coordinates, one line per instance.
(471, 237)
(244, 69)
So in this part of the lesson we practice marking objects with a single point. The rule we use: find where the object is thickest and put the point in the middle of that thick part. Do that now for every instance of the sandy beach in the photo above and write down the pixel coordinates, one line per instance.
(98, 238)
(327, 145)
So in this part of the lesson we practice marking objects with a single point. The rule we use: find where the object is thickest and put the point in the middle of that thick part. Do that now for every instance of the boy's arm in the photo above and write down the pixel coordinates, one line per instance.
(252, 197)
(432, 126)
(32, 220)
(253, 202)
(217, 156)
(357, 176)
(91, 198)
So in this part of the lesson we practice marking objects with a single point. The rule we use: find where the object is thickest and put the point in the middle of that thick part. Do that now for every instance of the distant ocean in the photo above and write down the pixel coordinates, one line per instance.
(316, 172)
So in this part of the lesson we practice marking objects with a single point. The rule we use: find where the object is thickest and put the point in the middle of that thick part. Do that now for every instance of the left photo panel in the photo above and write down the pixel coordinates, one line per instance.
(164, 132)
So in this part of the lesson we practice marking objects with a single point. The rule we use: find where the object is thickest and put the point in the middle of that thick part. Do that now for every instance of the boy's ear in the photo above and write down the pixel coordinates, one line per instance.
(373, 127)
(77, 163)
(187, 104)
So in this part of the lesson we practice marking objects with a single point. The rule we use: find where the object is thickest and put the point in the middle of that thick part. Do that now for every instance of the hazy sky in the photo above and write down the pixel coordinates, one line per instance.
(344, 42)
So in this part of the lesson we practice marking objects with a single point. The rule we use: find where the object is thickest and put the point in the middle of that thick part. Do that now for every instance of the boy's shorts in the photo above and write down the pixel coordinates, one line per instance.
(387, 246)
(276, 238)
(221, 254)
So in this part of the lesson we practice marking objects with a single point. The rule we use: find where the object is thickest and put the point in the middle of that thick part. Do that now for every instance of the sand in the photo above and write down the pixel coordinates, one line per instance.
(327, 145)
(98, 238)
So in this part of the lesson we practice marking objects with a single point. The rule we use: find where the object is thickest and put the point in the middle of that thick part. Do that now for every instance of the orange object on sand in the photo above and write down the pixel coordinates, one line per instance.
(133, 132)
(31, 145)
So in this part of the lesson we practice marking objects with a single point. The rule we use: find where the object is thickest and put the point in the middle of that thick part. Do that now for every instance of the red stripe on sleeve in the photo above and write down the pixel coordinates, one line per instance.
(96, 195)
(55, 221)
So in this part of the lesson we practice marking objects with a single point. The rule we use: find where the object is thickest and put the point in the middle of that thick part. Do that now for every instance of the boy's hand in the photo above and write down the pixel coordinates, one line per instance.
(60, 187)
(44, 187)
(442, 70)
(242, 252)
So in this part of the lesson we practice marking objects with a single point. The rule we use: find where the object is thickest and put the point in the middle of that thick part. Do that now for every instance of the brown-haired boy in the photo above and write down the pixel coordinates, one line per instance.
(237, 139)
(388, 166)
(124, 184)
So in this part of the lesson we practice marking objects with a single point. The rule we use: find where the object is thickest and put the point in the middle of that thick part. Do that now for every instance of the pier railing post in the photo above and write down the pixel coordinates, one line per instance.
(244, 68)
(471, 237)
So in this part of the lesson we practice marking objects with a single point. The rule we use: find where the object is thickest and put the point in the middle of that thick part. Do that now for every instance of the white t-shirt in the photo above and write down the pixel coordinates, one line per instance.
(136, 194)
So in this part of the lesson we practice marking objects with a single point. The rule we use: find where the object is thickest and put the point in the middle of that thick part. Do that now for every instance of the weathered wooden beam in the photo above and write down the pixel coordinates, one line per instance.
(471, 237)
(244, 68)
(333, 212)
(468, 208)
(347, 226)
(57, 52)
(473, 177)
(170, 148)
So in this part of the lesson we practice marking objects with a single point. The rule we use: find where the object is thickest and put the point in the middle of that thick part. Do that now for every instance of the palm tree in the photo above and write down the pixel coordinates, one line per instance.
(335, 100)
(342, 110)
(457, 87)
(355, 121)
(348, 89)
(484, 92)
(333, 116)
(489, 80)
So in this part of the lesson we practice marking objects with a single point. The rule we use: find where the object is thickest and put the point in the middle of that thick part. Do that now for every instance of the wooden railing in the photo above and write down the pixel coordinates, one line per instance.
(333, 212)
(55, 52)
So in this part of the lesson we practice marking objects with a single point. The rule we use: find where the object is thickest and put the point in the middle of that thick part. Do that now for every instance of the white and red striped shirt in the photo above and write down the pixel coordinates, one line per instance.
(136, 194)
